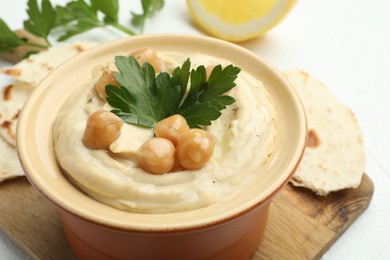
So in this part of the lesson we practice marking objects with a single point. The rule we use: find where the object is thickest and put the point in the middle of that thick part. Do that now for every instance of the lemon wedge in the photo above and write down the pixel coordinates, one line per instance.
(241, 20)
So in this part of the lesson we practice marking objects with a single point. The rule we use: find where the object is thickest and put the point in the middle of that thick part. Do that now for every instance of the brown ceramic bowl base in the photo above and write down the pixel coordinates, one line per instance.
(235, 239)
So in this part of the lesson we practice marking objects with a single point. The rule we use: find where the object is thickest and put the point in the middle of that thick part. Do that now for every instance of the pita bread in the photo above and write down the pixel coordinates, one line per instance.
(29, 72)
(33, 69)
(12, 99)
(334, 158)
(9, 162)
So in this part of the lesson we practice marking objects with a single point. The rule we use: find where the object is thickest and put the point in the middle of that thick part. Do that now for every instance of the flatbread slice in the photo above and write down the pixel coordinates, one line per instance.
(33, 69)
(334, 158)
(12, 98)
(9, 162)
(29, 73)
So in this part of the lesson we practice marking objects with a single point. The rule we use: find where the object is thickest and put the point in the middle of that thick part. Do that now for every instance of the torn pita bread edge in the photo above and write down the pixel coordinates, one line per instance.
(9, 162)
(334, 158)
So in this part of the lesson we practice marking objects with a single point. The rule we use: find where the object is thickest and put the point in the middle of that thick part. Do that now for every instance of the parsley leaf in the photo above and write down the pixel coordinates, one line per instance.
(140, 85)
(75, 11)
(109, 8)
(205, 99)
(126, 108)
(149, 7)
(180, 77)
(40, 22)
(8, 39)
(168, 95)
(78, 16)
(144, 98)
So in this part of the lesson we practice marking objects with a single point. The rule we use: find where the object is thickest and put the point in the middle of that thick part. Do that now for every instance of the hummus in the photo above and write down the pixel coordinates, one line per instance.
(245, 135)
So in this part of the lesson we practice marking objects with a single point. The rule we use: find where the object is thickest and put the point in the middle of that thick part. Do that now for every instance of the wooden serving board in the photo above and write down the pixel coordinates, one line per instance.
(301, 225)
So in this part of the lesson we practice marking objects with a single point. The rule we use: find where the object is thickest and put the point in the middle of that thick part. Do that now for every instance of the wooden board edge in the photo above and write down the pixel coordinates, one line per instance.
(370, 187)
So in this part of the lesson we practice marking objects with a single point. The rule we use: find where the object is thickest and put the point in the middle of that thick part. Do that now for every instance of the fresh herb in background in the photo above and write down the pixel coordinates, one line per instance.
(149, 7)
(75, 17)
(41, 20)
(9, 40)
(78, 16)
(144, 99)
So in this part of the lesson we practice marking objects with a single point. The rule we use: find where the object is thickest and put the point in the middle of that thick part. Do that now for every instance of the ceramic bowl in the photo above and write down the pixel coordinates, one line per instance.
(229, 230)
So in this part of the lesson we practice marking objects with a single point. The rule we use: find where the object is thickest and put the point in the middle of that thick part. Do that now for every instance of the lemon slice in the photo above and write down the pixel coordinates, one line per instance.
(241, 20)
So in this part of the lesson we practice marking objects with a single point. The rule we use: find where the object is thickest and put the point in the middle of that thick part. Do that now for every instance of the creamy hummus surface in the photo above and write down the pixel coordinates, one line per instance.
(244, 134)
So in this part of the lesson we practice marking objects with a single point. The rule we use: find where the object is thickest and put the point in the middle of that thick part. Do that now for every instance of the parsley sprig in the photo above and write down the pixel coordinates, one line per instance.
(78, 16)
(41, 20)
(144, 99)
(75, 17)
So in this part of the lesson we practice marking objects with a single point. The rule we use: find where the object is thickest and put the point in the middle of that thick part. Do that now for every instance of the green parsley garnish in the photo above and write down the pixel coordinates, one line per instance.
(144, 99)
(75, 17)
(149, 7)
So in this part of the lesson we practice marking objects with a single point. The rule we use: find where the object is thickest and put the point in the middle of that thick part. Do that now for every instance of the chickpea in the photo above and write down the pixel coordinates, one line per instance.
(194, 148)
(107, 78)
(156, 155)
(147, 55)
(171, 128)
(176, 167)
(103, 128)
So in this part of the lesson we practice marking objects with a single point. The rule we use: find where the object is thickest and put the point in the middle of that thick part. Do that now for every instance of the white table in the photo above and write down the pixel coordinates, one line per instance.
(346, 44)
